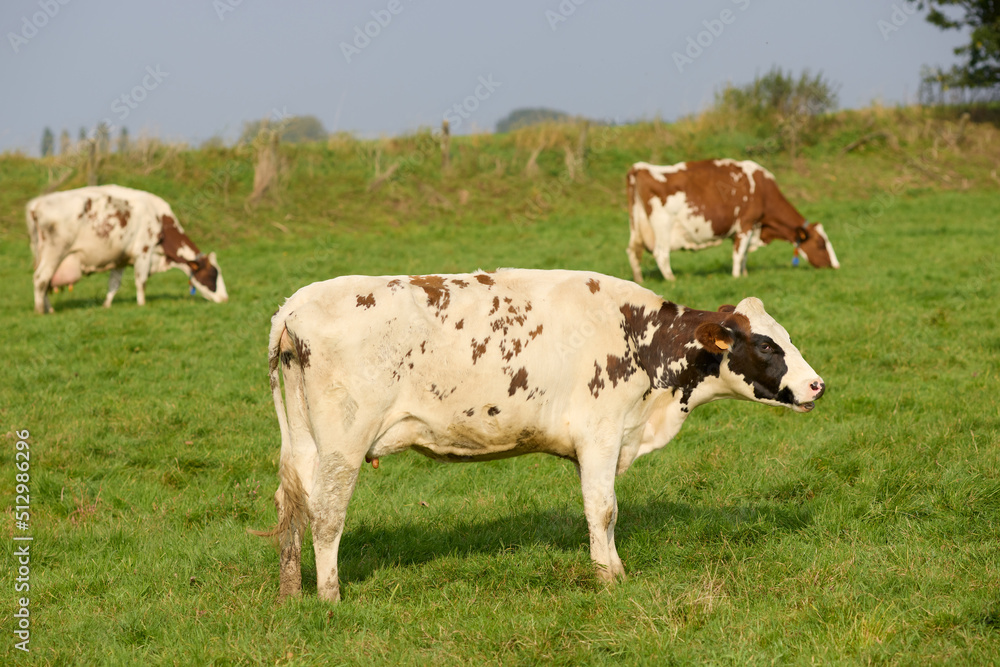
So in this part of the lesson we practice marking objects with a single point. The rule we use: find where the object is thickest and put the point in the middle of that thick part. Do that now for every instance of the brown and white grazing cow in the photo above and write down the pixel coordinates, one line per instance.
(105, 228)
(483, 366)
(695, 205)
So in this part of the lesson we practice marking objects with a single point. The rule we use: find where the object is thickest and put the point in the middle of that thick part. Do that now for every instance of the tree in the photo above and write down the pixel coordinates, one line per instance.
(519, 118)
(103, 138)
(777, 95)
(783, 104)
(123, 143)
(48, 142)
(292, 130)
(981, 68)
(65, 147)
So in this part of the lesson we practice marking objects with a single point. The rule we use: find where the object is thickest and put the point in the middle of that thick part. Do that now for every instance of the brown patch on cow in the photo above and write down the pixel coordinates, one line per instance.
(594, 285)
(103, 228)
(441, 394)
(660, 340)
(123, 214)
(366, 301)
(204, 273)
(173, 239)
(86, 207)
(394, 285)
(496, 306)
(461, 284)
(536, 332)
(478, 349)
(470, 412)
(619, 369)
(493, 411)
(302, 352)
(145, 249)
(519, 381)
(597, 384)
(484, 279)
(460, 323)
(422, 346)
(513, 351)
(438, 295)
(34, 216)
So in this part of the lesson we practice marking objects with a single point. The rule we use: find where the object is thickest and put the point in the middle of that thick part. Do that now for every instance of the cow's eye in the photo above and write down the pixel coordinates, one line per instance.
(765, 348)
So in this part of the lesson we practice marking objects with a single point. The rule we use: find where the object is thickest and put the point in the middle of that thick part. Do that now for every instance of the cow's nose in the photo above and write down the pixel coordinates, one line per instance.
(819, 387)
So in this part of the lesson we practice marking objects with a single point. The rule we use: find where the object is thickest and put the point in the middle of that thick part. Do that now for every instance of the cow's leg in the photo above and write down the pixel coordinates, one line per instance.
(600, 505)
(741, 249)
(343, 432)
(634, 252)
(662, 254)
(45, 269)
(336, 476)
(114, 282)
(141, 269)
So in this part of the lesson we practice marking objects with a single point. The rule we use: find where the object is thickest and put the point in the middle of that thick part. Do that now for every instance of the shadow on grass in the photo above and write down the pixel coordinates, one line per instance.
(367, 547)
(87, 303)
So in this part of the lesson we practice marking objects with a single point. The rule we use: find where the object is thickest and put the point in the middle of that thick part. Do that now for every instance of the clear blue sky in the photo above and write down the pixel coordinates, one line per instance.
(191, 69)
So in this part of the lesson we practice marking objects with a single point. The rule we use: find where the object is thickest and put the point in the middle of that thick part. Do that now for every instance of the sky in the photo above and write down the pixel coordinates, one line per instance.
(190, 70)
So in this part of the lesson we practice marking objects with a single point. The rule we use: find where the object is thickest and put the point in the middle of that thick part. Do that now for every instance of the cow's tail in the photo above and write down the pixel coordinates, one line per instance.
(630, 197)
(290, 497)
(32, 231)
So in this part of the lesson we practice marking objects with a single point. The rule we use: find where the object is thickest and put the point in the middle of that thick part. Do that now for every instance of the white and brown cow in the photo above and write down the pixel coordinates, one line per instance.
(695, 205)
(106, 228)
(483, 366)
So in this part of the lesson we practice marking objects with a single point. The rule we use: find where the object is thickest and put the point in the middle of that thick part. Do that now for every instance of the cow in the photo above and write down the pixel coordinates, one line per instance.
(481, 366)
(106, 228)
(695, 205)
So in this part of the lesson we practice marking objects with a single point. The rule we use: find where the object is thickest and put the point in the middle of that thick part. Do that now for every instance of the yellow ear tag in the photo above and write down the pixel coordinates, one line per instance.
(722, 345)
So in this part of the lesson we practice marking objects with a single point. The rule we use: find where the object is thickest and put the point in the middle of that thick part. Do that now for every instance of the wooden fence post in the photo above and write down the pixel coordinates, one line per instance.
(445, 145)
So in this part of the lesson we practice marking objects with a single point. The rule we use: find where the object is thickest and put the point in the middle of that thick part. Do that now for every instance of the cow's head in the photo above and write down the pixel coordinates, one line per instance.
(759, 362)
(812, 240)
(206, 277)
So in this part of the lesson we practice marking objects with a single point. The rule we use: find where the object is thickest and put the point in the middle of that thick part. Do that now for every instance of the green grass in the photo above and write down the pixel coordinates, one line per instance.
(867, 531)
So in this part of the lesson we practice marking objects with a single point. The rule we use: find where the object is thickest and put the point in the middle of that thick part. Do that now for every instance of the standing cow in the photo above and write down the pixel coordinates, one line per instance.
(105, 228)
(695, 205)
(483, 366)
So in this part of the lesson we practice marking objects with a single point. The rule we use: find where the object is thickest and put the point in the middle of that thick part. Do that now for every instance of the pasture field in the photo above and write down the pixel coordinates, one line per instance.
(867, 531)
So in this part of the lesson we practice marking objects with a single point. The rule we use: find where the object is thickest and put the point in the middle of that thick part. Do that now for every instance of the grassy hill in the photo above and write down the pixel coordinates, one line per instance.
(865, 531)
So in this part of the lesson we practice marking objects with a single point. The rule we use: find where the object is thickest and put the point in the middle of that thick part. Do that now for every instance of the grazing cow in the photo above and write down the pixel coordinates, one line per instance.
(105, 228)
(483, 366)
(695, 205)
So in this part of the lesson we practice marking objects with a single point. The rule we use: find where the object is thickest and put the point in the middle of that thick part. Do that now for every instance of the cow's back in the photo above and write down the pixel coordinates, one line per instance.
(471, 362)
(104, 225)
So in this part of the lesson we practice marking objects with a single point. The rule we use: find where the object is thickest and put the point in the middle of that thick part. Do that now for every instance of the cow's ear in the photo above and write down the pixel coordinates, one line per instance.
(714, 337)
(193, 266)
(728, 308)
(801, 234)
